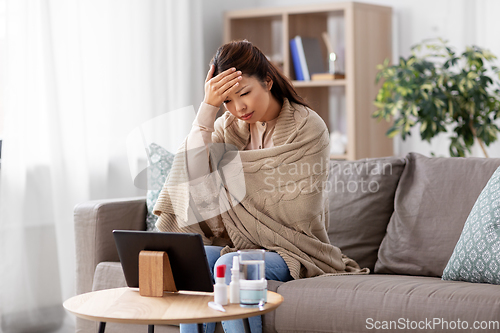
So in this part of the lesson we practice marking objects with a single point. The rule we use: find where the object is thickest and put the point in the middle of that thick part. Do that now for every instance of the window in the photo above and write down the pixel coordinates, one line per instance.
(3, 68)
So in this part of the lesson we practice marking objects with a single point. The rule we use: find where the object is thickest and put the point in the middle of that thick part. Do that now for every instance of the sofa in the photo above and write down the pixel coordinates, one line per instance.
(400, 217)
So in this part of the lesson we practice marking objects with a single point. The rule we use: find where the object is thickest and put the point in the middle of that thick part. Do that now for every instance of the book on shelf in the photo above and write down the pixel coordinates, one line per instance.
(307, 57)
(315, 61)
(302, 58)
(297, 65)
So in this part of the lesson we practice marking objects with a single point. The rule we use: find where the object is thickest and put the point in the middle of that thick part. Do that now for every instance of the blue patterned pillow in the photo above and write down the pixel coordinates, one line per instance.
(161, 163)
(476, 257)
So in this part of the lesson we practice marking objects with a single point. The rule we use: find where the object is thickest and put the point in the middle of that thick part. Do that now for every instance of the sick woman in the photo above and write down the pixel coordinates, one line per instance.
(254, 177)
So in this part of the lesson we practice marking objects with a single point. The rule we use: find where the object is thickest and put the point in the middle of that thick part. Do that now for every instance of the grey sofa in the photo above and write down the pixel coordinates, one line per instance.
(401, 217)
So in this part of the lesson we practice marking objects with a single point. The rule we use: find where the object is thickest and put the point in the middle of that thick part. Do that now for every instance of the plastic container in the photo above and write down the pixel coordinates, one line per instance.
(253, 285)
(253, 293)
(234, 286)
(220, 288)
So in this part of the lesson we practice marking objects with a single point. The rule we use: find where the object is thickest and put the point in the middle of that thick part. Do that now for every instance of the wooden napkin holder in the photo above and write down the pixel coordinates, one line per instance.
(155, 274)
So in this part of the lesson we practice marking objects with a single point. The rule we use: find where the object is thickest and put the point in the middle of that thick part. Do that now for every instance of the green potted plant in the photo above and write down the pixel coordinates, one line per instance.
(442, 92)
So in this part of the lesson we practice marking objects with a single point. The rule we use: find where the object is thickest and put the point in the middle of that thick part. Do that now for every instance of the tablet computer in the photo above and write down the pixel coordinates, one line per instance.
(185, 251)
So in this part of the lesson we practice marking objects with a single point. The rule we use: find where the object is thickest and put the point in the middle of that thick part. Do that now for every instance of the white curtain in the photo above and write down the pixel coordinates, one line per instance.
(486, 30)
(80, 75)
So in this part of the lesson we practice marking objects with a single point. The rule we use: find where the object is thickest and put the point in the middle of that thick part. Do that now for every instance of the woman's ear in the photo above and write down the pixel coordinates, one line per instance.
(269, 83)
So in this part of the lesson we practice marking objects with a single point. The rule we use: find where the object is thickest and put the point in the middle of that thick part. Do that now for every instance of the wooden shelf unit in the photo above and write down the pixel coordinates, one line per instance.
(367, 39)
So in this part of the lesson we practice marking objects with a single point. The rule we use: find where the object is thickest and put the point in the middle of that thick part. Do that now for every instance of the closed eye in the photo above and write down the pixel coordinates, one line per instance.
(227, 101)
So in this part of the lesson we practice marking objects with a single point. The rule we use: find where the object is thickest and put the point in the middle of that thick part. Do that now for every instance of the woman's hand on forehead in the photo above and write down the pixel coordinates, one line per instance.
(219, 87)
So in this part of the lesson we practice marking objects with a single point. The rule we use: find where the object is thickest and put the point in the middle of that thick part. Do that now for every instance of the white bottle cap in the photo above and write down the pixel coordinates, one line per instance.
(220, 274)
(235, 270)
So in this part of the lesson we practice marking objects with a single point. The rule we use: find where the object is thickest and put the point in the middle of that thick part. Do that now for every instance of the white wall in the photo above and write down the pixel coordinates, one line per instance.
(461, 22)
(213, 23)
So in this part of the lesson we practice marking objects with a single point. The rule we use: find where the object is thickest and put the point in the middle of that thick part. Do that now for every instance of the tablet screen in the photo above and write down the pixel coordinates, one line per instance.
(185, 251)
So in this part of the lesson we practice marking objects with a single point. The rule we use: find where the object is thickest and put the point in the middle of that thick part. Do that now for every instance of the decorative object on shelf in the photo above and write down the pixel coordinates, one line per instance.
(442, 90)
(331, 58)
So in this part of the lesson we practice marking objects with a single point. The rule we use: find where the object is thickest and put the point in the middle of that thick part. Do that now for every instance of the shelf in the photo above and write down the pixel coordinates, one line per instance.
(360, 34)
(305, 84)
(300, 9)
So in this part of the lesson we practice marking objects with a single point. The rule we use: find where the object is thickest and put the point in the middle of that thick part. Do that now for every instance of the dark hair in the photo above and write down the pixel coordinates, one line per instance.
(250, 60)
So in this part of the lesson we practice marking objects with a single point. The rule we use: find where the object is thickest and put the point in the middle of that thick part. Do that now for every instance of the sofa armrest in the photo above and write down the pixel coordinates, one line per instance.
(94, 223)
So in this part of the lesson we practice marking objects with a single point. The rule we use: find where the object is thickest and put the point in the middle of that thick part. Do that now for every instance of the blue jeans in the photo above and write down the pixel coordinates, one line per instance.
(276, 269)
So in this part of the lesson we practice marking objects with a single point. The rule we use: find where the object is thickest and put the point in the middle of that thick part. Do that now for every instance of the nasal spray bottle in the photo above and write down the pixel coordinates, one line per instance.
(220, 288)
(234, 286)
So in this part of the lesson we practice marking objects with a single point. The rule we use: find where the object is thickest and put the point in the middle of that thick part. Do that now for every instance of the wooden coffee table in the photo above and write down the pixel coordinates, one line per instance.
(125, 305)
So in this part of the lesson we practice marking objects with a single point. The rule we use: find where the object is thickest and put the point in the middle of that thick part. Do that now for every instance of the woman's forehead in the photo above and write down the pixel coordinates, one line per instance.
(247, 82)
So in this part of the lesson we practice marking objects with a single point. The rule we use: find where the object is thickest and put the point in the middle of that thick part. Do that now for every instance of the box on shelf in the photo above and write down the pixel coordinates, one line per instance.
(326, 76)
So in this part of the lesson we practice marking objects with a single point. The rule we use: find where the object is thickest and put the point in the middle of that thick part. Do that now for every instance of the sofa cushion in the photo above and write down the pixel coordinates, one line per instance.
(433, 199)
(108, 275)
(160, 164)
(361, 200)
(476, 257)
(354, 303)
